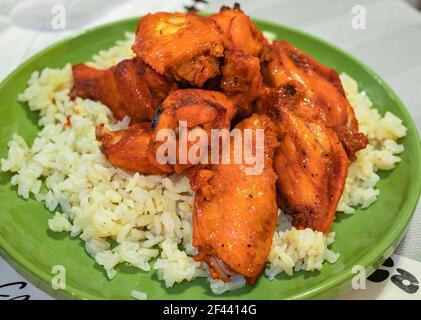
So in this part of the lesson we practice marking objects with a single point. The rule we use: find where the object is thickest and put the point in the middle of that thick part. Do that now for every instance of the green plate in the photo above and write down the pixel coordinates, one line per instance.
(365, 238)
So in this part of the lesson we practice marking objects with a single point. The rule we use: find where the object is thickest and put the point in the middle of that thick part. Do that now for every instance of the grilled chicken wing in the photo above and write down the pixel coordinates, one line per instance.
(235, 214)
(128, 149)
(311, 165)
(311, 162)
(240, 32)
(185, 46)
(130, 88)
(324, 98)
(200, 110)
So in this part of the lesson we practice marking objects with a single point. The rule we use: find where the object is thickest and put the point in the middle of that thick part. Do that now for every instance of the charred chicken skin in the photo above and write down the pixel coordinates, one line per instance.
(184, 46)
(324, 97)
(200, 110)
(235, 214)
(131, 88)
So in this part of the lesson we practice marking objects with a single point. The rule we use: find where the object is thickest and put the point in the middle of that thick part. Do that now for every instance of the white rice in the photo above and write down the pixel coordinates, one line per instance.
(383, 133)
(139, 295)
(97, 202)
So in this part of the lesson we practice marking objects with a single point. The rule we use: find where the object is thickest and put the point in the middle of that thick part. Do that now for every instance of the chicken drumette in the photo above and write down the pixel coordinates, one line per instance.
(131, 88)
(128, 149)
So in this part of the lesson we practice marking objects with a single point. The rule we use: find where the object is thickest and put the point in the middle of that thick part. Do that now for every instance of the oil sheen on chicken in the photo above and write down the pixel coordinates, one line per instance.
(130, 88)
(128, 149)
(185, 46)
(240, 33)
(235, 214)
(311, 162)
(323, 97)
(200, 111)
(137, 148)
(311, 165)
(241, 78)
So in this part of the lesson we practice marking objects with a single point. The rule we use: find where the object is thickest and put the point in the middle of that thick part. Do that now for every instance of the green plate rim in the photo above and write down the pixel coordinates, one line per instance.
(374, 257)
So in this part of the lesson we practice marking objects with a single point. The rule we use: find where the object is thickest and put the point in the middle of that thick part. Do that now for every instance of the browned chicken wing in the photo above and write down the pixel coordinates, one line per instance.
(311, 165)
(235, 214)
(130, 88)
(186, 46)
(199, 110)
(323, 96)
(137, 148)
(311, 162)
(240, 32)
(128, 149)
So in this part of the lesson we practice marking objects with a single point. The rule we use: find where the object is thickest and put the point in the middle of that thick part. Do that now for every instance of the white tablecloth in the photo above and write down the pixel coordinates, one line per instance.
(390, 44)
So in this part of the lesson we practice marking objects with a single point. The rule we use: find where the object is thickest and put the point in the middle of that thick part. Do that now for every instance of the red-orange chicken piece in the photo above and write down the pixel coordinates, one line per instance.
(128, 149)
(185, 46)
(311, 162)
(131, 88)
(241, 80)
(284, 65)
(311, 165)
(241, 34)
(235, 213)
(199, 110)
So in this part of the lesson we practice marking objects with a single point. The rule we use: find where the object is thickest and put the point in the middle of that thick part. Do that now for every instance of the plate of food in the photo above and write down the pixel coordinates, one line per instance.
(111, 187)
